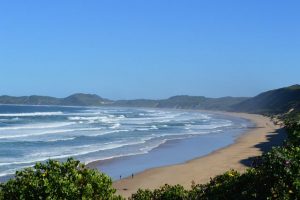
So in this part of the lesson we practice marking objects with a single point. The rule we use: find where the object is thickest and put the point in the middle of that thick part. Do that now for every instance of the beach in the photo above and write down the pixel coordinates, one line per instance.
(236, 156)
(123, 140)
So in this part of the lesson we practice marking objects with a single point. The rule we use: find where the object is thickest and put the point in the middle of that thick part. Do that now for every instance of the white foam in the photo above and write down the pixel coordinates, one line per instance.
(94, 119)
(38, 126)
(60, 153)
(61, 139)
(30, 114)
(11, 171)
(48, 132)
(117, 125)
(150, 147)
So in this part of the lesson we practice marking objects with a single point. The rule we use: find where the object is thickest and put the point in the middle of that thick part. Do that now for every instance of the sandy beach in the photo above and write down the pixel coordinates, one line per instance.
(236, 156)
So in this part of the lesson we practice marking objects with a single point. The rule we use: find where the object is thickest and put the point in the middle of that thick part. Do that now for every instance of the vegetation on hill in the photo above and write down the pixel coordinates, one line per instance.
(84, 100)
(184, 102)
(283, 100)
(73, 100)
(32, 100)
(136, 103)
(277, 101)
(196, 102)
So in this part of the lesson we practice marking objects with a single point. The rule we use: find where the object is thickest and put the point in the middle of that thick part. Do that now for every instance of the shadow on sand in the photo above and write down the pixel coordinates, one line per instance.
(273, 140)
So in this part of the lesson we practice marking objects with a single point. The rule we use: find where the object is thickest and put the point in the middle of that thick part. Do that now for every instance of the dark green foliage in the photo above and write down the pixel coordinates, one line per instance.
(55, 180)
(293, 128)
(142, 195)
(136, 103)
(33, 100)
(73, 100)
(199, 102)
(230, 185)
(166, 192)
(84, 100)
(184, 102)
(272, 102)
(281, 173)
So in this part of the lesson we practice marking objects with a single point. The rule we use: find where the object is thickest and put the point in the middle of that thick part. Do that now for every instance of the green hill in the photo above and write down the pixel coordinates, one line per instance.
(200, 102)
(136, 103)
(32, 100)
(184, 102)
(73, 100)
(272, 102)
(80, 99)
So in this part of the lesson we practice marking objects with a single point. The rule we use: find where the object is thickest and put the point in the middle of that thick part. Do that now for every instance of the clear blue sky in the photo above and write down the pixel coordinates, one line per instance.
(148, 49)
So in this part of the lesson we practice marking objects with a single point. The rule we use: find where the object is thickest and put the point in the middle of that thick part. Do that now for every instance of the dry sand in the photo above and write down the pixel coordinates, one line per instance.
(236, 156)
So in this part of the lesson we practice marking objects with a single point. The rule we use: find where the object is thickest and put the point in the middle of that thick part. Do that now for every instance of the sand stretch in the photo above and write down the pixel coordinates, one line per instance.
(200, 170)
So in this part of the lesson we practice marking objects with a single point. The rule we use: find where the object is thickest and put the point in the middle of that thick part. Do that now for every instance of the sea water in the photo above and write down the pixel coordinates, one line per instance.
(30, 134)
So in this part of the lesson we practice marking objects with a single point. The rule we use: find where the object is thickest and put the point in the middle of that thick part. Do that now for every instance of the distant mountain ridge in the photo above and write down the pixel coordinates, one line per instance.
(78, 99)
(276, 101)
(184, 102)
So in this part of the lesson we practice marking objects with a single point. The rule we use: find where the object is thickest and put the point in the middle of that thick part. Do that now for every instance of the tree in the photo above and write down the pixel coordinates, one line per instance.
(55, 180)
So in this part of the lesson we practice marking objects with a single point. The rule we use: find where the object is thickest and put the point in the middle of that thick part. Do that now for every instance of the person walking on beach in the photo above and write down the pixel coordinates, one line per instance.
(120, 177)
(132, 176)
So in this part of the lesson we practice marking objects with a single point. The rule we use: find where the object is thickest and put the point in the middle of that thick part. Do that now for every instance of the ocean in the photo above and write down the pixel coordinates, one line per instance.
(30, 134)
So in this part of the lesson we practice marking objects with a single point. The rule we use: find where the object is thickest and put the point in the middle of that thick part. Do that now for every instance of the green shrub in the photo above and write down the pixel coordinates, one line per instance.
(281, 172)
(293, 129)
(217, 187)
(166, 192)
(230, 185)
(55, 180)
(142, 195)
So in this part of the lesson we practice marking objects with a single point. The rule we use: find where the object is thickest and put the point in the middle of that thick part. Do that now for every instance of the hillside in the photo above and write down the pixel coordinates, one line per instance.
(200, 102)
(184, 102)
(29, 100)
(80, 99)
(73, 100)
(136, 103)
(276, 101)
(272, 102)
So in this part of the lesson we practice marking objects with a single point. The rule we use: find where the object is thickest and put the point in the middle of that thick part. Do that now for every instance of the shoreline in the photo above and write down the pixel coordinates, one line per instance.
(188, 148)
(236, 156)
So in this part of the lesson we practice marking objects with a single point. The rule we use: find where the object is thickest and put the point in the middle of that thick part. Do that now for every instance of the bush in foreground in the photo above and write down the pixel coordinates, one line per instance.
(55, 180)
(166, 192)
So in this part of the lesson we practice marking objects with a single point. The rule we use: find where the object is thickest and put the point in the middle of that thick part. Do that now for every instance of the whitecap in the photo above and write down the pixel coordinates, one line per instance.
(38, 126)
(30, 114)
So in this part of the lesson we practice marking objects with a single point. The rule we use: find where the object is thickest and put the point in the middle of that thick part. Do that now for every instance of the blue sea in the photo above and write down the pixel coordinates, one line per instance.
(29, 134)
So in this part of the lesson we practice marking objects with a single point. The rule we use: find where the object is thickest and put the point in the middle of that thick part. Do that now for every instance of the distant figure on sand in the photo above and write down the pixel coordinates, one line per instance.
(131, 175)
(120, 177)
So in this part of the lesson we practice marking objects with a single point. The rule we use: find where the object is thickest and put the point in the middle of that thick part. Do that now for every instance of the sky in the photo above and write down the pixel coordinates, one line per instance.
(148, 49)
